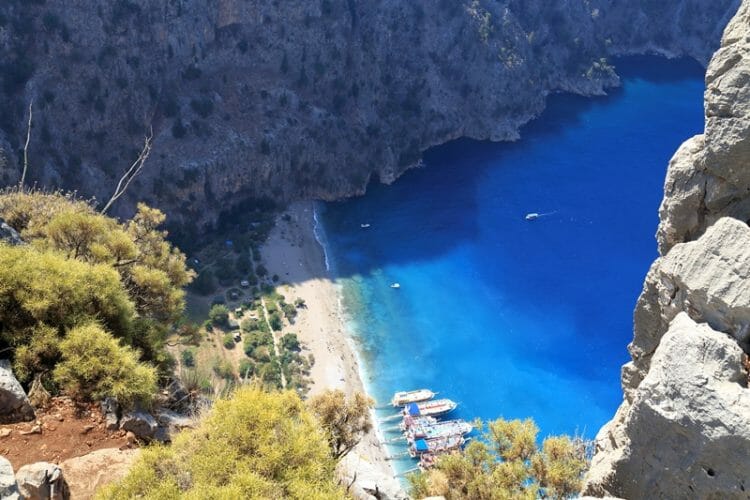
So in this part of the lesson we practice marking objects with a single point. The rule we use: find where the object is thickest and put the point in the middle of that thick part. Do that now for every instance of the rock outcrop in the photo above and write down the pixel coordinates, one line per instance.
(709, 177)
(683, 429)
(14, 404)
(8, 485)
(299, 99)
(9, 235)
(42, 481)
(139, 422)
(90, 472)
(364, 481)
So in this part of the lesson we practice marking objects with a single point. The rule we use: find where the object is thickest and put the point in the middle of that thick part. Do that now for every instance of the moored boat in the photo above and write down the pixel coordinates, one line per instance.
(433, 408)
(438, 430)
(436, 445)
(403, 398)
(408, 422)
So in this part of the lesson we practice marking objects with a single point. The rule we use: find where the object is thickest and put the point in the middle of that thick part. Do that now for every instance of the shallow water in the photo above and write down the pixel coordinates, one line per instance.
(511, 317)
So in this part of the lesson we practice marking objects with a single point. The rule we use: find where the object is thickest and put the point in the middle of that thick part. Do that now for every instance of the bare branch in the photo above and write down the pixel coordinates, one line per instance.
(132, 172)
(26, 150)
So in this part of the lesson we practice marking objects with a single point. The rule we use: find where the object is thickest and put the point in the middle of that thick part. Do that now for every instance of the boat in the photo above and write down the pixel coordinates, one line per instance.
(364, 226)
(405, 397)
(395, 285)
(408, 422)
(433, 408)
(532, 216)
(438, 430)
(436, 445)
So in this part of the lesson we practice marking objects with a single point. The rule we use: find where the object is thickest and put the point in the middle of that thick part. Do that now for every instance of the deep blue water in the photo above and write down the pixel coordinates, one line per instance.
(510, 317)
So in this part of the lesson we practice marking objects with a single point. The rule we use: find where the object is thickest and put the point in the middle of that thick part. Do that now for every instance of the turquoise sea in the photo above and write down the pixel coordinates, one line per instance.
(510, 317)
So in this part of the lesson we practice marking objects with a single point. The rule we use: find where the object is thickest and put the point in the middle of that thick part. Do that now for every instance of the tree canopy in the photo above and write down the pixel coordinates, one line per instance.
(344, 421)
(506, 463)
(80, 271)
(253, 445)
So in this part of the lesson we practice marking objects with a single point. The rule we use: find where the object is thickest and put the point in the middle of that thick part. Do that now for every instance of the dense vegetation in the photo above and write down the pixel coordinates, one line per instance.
(255, 445)
(523, 470)
(88, 301)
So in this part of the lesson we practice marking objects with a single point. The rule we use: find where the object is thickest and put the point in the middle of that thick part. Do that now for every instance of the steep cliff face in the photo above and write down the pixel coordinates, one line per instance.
(300, 98)
(682, 429)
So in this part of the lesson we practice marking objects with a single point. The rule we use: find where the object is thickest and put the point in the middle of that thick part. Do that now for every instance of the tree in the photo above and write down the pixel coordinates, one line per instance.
(219, 315)
(95, 365)
(290, 342)
(506, 463)
(254, 445)
(345, 421)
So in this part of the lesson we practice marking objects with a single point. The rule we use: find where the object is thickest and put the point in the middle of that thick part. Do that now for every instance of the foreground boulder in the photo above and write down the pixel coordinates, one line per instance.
(14, 404)
(9, 235)
(42, 481)
(86, 474)
(364, 481)
(140, 423)
(8, 485)
(687, 432)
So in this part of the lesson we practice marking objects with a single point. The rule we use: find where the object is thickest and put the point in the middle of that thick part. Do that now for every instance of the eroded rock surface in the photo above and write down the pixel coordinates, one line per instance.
(90, 472)
(14, 404)
(42, 481)
(8, 485)
(683, 429)
(709, 177)
(686, 433)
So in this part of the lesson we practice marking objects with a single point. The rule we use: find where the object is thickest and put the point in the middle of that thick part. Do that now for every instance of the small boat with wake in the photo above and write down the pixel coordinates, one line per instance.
(532, 216)
(395, 285)
(436, 445)
(364, 226)
(433, 408)
(403, 398)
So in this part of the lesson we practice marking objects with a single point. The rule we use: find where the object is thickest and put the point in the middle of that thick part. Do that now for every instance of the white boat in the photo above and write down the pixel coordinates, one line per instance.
(403, 398)
(532, 216)
(395, 285)
(433, 408)
(433, 430)
(364, 226)
(436, 445)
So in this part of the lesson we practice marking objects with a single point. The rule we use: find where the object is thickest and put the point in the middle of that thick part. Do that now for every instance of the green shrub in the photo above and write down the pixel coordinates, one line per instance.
(219, 315)
(247, 368)
(290, 342)
(250, 324)
(275, 321)
(188, 357)
(262, 354)
(261, 271)
(262, 445)
(94, 366)
(228, 341)
(289, 311)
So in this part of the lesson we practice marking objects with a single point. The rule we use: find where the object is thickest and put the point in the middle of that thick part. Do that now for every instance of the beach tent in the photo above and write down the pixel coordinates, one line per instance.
(413, 409)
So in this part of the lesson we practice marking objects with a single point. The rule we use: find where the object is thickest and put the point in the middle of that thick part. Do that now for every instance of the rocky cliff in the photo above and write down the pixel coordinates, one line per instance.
(683, 429)
(299, 99)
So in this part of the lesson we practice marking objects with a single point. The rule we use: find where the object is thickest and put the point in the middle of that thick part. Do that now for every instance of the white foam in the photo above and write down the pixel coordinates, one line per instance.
(320, 236)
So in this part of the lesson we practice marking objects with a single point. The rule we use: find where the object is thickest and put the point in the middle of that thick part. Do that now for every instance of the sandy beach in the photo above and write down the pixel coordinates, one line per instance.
(293, 253)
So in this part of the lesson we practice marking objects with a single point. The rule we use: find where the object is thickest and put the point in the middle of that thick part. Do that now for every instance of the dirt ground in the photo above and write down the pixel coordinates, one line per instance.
(60, 432)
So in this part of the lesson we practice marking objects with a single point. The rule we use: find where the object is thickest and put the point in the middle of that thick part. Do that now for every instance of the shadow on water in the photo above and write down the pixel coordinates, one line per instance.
(454, 173)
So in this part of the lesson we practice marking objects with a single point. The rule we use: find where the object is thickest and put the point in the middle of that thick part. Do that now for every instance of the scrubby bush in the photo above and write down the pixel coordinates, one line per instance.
(95, 365)
(262, 445)
(274, 319)
(247, 368)
(228, 341)
(188, 357)
(289, 311)
(219, 315)
(223, 368)
(290, 342)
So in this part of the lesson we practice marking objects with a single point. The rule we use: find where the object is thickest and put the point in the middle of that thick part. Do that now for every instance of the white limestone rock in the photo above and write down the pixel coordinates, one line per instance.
(687, 432)
(366, 482)
(8, 485)
(14, 404)
(42, 481)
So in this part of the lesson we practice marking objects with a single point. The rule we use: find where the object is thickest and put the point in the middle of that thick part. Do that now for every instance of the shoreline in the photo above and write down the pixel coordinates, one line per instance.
(294, 252)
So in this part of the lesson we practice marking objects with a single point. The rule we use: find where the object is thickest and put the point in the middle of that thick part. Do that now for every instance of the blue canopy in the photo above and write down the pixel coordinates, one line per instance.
(413, 409)
(421, 445)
